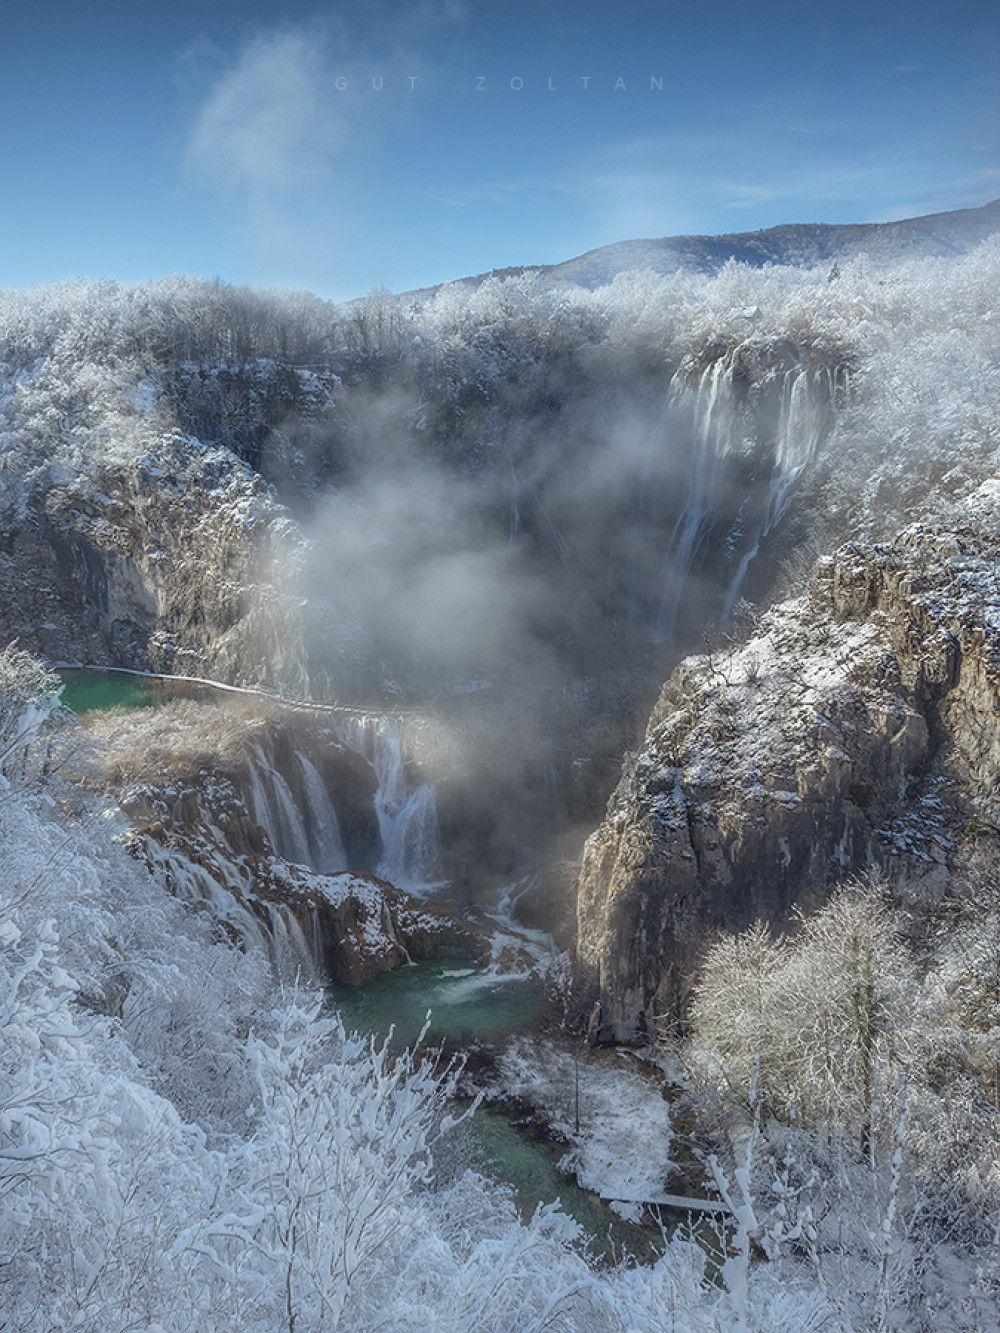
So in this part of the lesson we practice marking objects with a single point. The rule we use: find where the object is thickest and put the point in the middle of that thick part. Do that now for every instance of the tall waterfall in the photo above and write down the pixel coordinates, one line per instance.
(807, 398)
(780, 430)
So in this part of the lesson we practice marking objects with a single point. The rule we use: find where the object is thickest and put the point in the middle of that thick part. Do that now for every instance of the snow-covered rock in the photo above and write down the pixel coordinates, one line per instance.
(859, 725)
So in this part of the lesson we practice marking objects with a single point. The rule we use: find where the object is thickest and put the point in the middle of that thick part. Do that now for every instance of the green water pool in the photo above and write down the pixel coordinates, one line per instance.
(465, 1003)
(88, 691)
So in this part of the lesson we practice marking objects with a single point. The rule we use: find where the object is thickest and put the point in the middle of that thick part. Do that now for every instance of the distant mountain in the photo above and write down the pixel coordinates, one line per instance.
(801, 245)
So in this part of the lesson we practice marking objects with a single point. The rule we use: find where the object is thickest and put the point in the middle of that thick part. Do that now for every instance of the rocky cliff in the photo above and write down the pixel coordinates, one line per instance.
(859, 725)
(173, 561)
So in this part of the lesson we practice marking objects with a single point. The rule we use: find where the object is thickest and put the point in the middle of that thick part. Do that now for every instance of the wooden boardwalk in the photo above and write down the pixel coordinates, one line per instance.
(685, 1203)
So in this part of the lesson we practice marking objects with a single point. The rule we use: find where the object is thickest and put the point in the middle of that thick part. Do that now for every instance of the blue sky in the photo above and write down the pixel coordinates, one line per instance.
(248, 141)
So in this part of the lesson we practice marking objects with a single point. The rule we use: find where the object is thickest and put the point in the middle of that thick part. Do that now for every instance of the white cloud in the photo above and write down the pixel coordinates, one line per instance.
(270, 121)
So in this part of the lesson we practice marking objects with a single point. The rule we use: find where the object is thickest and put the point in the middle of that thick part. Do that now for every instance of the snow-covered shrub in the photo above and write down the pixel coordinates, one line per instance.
(178, 737)
(29, 715)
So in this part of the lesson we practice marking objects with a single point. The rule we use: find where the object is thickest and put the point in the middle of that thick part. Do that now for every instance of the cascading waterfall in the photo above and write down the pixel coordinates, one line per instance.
(712, 402)
(322, 827)
(282, 938)
(273, 807)
(407, 815)
(193, 883)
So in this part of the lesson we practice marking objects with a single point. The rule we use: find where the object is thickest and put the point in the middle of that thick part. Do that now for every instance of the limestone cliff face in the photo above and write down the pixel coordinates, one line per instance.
(175, 562)
(859, 726)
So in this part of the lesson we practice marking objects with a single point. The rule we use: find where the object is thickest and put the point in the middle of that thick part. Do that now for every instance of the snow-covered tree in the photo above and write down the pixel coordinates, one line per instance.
(815, 1018)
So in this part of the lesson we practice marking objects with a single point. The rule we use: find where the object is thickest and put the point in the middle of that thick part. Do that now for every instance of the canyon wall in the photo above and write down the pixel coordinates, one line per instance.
(858, 726)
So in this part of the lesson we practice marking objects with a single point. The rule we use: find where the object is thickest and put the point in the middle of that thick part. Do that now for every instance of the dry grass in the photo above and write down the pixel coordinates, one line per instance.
(177, 739)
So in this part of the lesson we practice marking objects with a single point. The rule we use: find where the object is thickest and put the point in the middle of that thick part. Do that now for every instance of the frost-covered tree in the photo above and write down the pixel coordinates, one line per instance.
(733, 1006)
(29, 715)
(817, 1018)
(183, 1147)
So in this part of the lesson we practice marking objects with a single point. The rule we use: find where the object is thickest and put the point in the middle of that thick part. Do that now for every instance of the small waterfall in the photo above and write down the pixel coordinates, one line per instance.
(273, 807)
(407, 814)
(316, 945)
(322, 828)
(292, 956)
(292, 841)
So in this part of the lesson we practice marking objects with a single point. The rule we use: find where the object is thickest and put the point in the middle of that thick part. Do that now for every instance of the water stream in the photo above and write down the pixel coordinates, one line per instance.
(480, 1010)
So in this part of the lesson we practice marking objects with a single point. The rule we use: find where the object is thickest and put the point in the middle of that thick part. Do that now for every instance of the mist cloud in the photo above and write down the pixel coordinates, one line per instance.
(417, 557)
